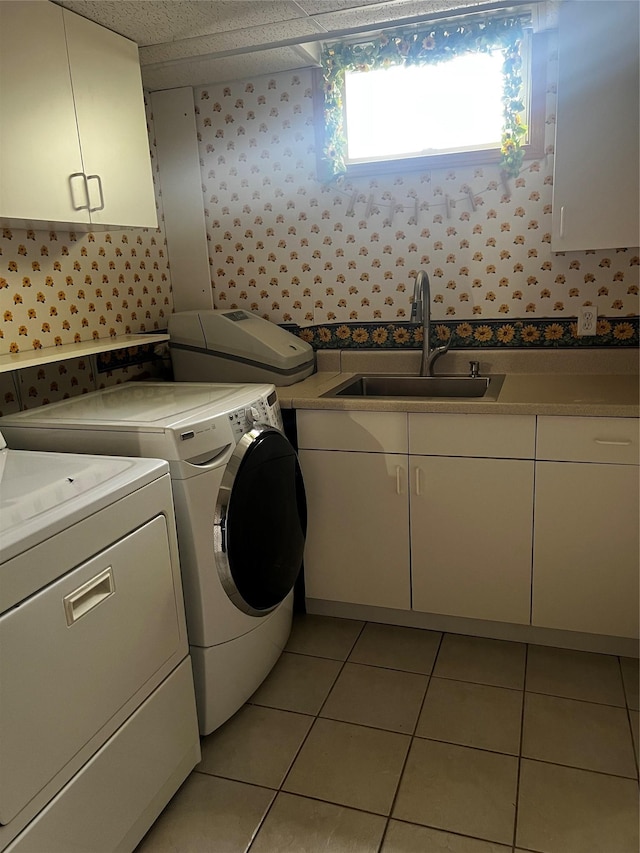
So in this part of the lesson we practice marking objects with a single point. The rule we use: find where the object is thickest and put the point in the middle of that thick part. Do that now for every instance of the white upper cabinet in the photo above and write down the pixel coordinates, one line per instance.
(596, 175)
(73, 135)
(39, 144)
(107, 90)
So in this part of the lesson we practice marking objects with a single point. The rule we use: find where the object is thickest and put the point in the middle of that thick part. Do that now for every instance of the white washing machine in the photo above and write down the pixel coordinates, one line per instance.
(98, 725)
(240, 512)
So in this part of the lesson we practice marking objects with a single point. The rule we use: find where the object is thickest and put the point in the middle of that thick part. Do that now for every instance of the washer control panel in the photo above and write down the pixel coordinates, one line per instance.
(264, 410)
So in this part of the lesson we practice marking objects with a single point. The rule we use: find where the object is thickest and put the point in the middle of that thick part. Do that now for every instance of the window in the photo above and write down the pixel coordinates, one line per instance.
(433, 96)
(458, 107)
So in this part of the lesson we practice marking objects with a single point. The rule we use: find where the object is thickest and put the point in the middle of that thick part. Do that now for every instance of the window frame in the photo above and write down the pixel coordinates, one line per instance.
(533, 148)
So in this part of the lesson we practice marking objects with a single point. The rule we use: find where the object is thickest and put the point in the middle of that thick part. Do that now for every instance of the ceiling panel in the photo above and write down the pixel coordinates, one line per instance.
(156, 21)
(360, 15)
(194, 42)
(315, 7)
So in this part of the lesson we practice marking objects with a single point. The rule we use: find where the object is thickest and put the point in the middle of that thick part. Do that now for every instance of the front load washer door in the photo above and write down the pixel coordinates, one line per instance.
(260, 521)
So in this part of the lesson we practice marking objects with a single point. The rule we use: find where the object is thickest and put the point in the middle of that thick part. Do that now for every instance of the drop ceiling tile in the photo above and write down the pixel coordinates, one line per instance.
(205, 32)
(360, 16)
(315, 7)
(156, 21)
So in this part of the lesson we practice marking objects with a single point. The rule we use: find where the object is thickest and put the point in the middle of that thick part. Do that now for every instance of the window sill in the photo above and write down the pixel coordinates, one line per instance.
(464, 159)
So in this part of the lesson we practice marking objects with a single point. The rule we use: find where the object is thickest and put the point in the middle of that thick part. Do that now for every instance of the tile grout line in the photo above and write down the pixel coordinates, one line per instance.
(279, 790)
(577, 699)
(430, 677)
(524, 698)
(412, 737)
(316, 716)
(581, 769)
(629, 710)
(339, 673)
(471, 681)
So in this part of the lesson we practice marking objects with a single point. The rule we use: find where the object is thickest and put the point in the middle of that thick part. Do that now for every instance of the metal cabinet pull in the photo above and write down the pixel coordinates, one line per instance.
(398, 479)
(418, 492)
(89, 595)
(86, 190)
(101, 205)
(562, 221)
(625, 443)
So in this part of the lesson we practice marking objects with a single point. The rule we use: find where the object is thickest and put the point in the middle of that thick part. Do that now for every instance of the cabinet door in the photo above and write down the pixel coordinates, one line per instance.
(38, 133)
(357, 547)
(107, 89)
(471, 533)
(585, 567)
(596, 175)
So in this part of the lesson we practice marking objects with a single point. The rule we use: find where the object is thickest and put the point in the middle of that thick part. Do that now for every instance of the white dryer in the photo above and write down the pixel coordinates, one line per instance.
(98, 724)
(240, 512)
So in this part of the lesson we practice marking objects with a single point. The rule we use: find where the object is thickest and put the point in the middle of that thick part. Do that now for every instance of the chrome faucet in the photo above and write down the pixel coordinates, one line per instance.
(421, 313)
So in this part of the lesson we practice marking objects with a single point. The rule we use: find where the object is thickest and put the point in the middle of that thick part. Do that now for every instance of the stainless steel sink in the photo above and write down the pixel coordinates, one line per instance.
(423, 387)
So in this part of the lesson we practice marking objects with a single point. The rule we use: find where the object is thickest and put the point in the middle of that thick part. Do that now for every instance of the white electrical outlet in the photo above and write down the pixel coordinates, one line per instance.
(587, 320)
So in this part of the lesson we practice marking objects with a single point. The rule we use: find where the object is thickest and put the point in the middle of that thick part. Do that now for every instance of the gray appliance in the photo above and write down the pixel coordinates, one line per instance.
(235, 346)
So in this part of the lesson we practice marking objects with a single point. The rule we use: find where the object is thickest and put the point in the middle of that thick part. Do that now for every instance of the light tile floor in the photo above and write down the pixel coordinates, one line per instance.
(370, 738)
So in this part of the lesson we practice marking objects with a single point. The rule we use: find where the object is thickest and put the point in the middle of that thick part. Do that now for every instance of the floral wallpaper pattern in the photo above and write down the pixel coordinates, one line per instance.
(340, 256)
(62, 286)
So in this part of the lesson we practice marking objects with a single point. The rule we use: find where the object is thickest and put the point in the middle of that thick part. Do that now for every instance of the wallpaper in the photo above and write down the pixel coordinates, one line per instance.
(339, 259)
(335, 261)
(63, 286)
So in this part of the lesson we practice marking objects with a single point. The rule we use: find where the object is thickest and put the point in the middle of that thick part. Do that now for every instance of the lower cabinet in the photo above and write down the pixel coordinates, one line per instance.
(357, 547)
(491, 517)
(471, 537)
(586, 543)
(434, 530)
(472, 514)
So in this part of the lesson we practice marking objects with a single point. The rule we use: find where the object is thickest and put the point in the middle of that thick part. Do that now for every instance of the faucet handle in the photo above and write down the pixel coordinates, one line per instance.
(474, 368)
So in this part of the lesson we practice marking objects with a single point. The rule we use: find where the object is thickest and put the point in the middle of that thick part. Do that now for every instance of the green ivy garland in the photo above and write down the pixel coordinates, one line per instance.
(421, 46)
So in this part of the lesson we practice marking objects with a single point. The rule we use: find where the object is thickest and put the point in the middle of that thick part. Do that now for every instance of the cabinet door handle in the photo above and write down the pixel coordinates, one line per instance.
(101, 205)
(86, 191)
(399, 473)
(562, 221)
(418, 491)
(625, 443)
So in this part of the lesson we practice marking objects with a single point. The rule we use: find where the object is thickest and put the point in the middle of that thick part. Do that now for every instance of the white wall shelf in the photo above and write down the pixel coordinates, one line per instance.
(83, 349)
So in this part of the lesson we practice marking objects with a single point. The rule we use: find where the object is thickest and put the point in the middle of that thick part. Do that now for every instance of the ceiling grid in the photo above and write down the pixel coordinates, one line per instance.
(198, 42)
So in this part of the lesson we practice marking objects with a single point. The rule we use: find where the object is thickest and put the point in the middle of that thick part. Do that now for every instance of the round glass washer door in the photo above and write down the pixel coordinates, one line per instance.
(260, 521)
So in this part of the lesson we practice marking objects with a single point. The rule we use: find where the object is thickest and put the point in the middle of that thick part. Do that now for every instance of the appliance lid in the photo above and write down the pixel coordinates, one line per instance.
(142, 405)
(240, 335)
(43, 493)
